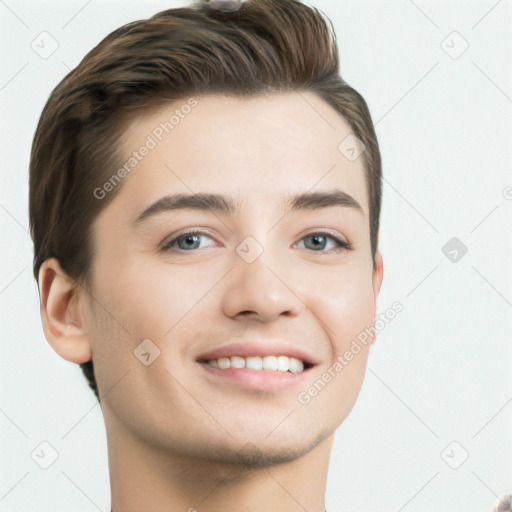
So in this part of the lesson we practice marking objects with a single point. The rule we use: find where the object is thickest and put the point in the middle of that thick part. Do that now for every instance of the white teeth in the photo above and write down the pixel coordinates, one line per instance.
(282, 363)
(254, 363)
(271, 363)
(296, 366)
(237, 362)
(224, 362)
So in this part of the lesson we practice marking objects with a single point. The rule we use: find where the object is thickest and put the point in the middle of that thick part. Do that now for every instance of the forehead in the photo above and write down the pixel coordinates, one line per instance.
(263, 148)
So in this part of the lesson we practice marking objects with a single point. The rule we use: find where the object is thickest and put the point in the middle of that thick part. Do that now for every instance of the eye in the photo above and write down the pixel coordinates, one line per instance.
(188, 241)
(318, 242)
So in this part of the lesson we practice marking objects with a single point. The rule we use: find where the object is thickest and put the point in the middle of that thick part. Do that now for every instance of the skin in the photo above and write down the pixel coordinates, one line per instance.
(187, 440)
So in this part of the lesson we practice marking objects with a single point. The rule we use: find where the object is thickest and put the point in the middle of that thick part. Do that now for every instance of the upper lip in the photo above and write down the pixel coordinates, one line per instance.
(261, 349)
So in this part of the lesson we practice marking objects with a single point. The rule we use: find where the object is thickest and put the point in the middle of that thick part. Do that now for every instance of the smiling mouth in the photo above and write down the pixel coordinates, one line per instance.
(279, 364)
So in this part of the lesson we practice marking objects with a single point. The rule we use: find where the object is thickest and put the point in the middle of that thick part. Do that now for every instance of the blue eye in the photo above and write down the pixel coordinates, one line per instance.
(186, 241)
(191, 241)
(320, 240)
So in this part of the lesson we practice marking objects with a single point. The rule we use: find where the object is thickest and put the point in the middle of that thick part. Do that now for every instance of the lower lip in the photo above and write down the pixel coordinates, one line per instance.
(259, 380)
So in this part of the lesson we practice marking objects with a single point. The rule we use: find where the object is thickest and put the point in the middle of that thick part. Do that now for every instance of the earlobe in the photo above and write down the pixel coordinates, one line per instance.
(61, 316)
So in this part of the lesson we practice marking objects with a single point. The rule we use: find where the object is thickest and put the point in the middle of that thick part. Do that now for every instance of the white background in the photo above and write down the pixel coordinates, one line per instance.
(440, 371)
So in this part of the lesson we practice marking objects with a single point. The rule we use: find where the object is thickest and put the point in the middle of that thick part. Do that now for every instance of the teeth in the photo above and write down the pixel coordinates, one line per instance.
(237, 362)
(223, 363)
(272, 363)
(283, 363)
(254, 363)
(296, 366)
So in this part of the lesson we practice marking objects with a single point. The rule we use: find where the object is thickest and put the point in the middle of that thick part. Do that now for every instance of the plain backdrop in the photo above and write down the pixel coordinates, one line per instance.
(432, 428)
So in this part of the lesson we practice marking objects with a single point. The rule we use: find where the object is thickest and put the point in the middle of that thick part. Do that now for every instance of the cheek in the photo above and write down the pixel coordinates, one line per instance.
(344, 305)
(139, 304)
(154, 300)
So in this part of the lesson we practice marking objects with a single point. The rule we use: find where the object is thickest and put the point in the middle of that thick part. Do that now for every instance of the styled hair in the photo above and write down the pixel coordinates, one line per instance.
(266, 46)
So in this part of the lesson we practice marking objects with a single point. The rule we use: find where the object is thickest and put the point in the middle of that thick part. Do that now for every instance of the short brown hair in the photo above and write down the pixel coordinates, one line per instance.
(266, 46)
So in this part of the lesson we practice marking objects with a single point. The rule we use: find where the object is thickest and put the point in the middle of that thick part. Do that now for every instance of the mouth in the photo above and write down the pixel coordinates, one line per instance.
(281, 364)
(257, 367)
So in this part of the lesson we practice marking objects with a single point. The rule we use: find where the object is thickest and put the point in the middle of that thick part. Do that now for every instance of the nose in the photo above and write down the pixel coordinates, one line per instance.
(261, 290)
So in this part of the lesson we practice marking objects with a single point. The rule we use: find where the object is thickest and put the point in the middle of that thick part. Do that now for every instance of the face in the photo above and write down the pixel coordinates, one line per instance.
(250, 273)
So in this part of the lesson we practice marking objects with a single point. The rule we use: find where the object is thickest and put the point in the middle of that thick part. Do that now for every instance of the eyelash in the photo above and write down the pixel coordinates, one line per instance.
(342, 244)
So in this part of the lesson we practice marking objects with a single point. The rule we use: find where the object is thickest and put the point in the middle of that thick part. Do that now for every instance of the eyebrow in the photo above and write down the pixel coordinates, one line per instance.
(225, 204)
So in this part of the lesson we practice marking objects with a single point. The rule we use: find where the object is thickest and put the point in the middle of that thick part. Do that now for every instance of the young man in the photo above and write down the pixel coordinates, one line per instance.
(205, 193)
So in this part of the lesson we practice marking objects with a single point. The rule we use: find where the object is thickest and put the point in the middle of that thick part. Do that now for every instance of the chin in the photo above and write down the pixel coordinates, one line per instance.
(264, 453)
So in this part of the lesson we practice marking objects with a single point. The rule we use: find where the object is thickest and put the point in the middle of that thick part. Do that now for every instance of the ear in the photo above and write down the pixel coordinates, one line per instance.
(61, 314)
(378, 275)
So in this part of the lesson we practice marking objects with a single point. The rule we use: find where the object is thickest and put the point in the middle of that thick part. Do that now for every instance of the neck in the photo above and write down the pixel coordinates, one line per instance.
(149, 477)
